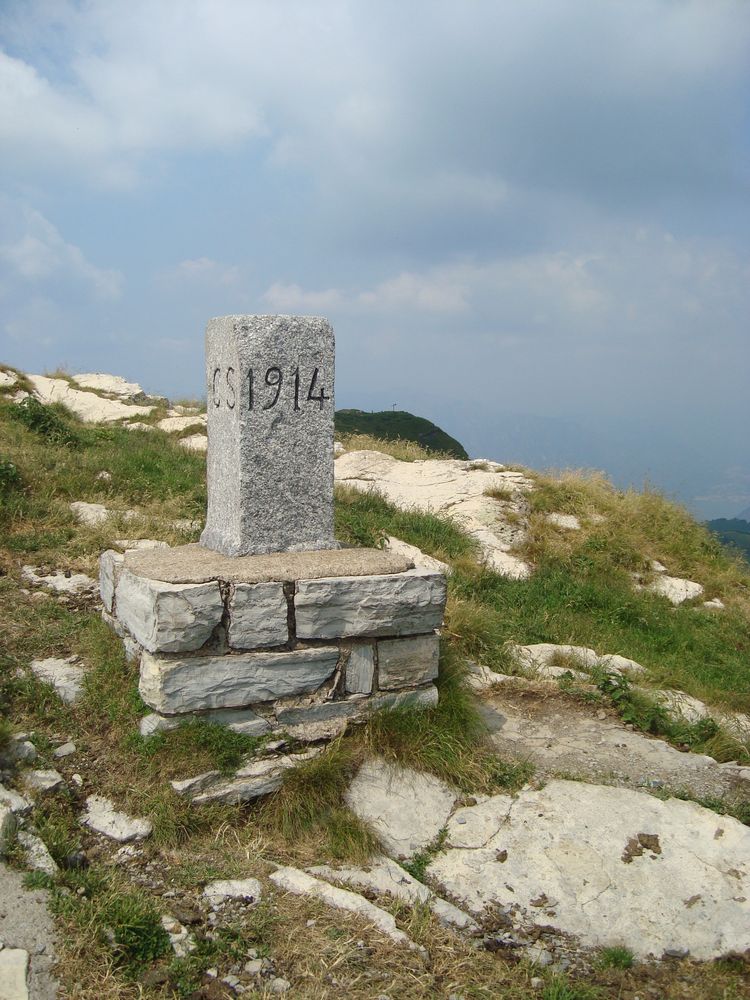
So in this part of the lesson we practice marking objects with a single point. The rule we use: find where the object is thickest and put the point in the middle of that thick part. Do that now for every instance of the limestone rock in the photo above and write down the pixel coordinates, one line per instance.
(43, 781)
(360, 669)
(406, 808)
(136, 544)
(569, 522)
(102, 817)
(420, 559)
(239, 720)
(398, 604)
(408, 662)
(423, 697)
(36, 855)
(258, 778)
(90, 514)
(7, 379)
(174, 685)
(195, 442)
(92, 409)
(249, 890)
(387, 878)
(322, 720)
(64, 750)
(75, 584)
(608, 865)
(539, 657)
(257, 616)
(676, 589)
(115, 385)
(715, 604)
(110, 565)
(168, 617)
(301, 884)
(65, 676)
(14, 969)
(182, 941)
(14, 802)
(454, 488)
(175, 424)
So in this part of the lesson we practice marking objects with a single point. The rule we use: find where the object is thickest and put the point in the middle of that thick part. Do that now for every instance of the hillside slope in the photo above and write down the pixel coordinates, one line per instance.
(399, 425)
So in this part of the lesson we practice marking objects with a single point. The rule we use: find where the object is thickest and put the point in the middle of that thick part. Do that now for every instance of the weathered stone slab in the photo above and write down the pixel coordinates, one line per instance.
(609, 865)
(406, 808)
(408, 662)
(36, 855)
(195, 564)
(360, 669)
(65, 676)
(270, 432)
(239, 720)
(321, 721)
(423, 697)
(257, 616)
(258, 778)
(102, 816)
(301, 884)
(110, 564)
(249, 890)
(168, 617)
(14, 970)
(191, 684)
(399, 604)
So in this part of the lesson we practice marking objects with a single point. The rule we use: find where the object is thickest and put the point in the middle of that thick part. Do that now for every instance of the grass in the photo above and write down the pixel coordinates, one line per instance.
(616, 957)
(401, 448)
(581, 593)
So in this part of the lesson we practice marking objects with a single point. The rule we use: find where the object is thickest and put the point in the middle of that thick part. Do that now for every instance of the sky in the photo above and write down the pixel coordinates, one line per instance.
(528, 221)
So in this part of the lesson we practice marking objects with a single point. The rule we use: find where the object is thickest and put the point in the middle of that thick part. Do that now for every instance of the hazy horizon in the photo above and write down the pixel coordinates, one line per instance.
(526, 222)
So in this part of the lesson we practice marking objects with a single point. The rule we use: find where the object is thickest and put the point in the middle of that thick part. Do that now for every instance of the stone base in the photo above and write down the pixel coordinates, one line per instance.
(299, 643)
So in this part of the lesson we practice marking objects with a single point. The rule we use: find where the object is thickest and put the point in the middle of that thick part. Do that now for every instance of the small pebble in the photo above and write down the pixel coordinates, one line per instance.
(254, 967)
(536, 982)
(311, 923)
(77, 780)
(279, 985)
(65, 750)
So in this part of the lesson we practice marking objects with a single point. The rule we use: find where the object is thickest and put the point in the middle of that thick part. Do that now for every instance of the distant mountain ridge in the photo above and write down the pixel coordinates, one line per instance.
(734, 532)
(390, 425)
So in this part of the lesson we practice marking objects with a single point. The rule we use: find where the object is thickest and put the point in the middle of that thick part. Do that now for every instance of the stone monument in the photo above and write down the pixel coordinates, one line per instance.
(270, 434)
(267, 625)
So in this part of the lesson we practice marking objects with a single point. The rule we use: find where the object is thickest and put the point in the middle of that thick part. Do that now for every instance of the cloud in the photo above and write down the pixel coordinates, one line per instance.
(34, 251)
(292, 297)
(206, 270)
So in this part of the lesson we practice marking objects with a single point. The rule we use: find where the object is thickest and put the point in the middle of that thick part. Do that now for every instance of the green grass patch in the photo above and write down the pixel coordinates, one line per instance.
(365, 518)
(616, 957)
(197, 743)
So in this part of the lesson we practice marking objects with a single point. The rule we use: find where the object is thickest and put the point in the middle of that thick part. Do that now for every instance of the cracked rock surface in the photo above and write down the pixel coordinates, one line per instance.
(609, 865)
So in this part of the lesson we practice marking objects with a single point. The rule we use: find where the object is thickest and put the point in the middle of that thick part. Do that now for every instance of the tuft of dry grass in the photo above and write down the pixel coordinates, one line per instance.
(404, 451)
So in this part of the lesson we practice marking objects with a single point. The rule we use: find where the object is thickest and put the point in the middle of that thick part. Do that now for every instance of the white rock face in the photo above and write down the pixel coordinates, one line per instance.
(360, 669)
(569, 522)
(92, 409)
(14, 970)
(36, 855)
(43, 781)
(140, 543)
(538, 659)
(115, 385)
(168, 617)
(405, 808)
(609, 865)
(77, 584)
(675, 589)
(257, 616)
(420, 559)
(387, 878)
(110, 565)
(195, 442)
(454, 488)
(182, 941)
(14, 802)
(301, 884)
(7, 379)
(258, 778)
(175, 424)
(172, 686)
(240, 720)
(65, 676)
(90, 514)
(408, 662)
(393, 604)
(249, 890)
(102, 817)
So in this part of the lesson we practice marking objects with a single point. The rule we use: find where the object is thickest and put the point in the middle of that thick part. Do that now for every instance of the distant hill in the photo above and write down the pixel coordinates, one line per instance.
(733, 531)
(744, 515)
(393, 424)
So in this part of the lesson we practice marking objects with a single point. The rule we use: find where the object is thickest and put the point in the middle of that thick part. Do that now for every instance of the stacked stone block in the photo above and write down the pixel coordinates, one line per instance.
(298, 655)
